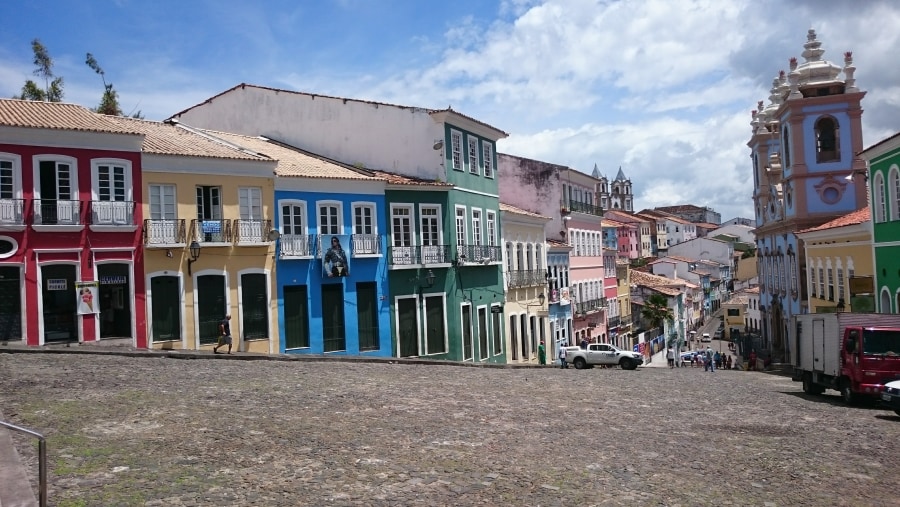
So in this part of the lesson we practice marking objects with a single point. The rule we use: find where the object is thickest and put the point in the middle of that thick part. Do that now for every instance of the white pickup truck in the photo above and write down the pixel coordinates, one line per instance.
(603, 354)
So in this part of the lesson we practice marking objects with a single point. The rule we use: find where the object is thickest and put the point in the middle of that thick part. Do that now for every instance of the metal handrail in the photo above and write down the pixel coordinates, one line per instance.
(42, 460)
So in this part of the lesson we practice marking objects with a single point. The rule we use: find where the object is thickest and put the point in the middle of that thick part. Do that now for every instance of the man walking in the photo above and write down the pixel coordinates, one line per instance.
(670, 356)
(542, 354)
(562, 355)
(224, 334)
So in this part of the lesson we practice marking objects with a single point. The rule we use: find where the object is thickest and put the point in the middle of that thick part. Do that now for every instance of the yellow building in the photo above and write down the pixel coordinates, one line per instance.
(623, 298)
(837, 251)
(208, 240)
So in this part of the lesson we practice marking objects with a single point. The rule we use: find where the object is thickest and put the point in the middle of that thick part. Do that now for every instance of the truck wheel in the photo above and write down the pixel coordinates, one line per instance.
(847, 393)
(809, 387)
(580, 364)
(627, 364)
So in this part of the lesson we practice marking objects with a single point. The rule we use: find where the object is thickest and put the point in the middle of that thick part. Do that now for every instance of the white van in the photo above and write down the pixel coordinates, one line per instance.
(705, 338)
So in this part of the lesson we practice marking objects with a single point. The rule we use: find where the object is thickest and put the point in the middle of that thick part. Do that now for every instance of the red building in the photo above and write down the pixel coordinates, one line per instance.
(71, 266)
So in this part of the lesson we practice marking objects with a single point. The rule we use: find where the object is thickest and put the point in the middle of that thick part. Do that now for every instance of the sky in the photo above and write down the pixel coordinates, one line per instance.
(663, 89)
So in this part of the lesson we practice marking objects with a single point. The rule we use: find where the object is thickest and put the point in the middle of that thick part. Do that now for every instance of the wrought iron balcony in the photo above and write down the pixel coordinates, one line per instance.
(164, 232)
(252, 232)
(526, 278)
(12, 212)
(435, 254)
(590, 306)
(211, 231)
(116, 213)
(297, 245)
(404, 256)
(478, 254)
(57, 212)
(581, 207)
(612, 322)
(365, 244)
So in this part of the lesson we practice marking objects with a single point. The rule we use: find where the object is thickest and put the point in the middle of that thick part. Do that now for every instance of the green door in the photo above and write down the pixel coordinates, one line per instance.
(210, 307)
(407, 327)
(367, 315)
(10, 303)
(333, 334)
(165, 313)
(296, 317)
(254, 307)
(467, 332)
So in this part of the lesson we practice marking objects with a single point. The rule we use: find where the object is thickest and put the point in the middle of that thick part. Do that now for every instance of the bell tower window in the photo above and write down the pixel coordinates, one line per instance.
(827, 140)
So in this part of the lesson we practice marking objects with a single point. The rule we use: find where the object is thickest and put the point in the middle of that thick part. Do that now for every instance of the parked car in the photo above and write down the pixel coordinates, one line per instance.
(891, 396)
(603, 354)
(705, 338)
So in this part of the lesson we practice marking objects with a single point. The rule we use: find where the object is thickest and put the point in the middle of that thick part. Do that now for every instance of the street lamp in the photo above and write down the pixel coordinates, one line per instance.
(195, 254)
(541, 298)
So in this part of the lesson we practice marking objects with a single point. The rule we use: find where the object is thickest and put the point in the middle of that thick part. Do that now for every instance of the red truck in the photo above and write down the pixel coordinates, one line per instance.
(853, 353)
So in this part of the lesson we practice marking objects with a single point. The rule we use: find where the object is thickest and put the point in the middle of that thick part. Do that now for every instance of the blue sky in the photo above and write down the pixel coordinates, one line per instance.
(662, 88)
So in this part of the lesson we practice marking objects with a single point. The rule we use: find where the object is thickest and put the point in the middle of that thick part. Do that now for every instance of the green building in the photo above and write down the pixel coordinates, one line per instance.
(883, 160)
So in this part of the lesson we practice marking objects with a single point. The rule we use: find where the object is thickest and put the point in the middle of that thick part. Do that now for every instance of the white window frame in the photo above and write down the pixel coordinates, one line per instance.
(437, 220)
(411, 222)
(462, 233)
(16, 163)
(894, 179)
(490, 227)
(373, 210)
(456, 161)
(250, 215)
(880, 201)
(487, 155)
(59, 159)
(339, 219)
(304, 225)
(477, 233)
(472, 153)
(112, 162)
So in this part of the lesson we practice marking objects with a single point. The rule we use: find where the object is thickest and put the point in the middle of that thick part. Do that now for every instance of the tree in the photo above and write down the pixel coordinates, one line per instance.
(109, 103)
(53, 86)
(656, 310)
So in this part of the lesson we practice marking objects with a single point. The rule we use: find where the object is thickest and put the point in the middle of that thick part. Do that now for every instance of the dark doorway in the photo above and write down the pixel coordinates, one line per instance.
(165, 313)
(115, 301)
(210, 307)
(408, 327)
(467, 332)
(367, 315)
(10, 303)
(254, 306)
(58, 298)
(296, 317)
(333, 334)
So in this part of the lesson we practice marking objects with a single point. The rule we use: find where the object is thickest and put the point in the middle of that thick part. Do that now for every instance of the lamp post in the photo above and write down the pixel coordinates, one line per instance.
(195, 254)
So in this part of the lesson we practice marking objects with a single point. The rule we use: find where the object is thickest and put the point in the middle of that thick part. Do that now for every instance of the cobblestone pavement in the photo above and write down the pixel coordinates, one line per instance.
(160, 431)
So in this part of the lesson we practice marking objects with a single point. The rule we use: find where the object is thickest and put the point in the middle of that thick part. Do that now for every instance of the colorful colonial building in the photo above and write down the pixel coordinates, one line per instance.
(71, 266)
(883, 174)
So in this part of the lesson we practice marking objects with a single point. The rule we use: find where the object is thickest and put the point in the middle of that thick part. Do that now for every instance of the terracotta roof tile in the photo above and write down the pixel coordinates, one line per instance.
(294, 162)
(399, 179)
(58, 116)
(519, 211)
(168, 139)
(859, 216)
(658, 283)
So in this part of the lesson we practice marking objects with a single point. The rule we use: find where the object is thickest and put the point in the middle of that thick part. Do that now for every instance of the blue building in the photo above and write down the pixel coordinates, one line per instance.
(331, 271)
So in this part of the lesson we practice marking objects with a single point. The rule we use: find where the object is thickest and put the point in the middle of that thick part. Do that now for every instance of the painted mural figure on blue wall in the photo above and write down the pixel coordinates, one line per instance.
(335, 262)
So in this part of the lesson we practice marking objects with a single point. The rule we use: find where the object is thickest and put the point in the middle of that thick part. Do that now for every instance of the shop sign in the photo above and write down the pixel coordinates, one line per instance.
(56, 284)
(113, 280)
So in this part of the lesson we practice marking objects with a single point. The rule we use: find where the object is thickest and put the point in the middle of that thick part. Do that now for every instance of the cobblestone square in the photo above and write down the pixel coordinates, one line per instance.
(160, 431)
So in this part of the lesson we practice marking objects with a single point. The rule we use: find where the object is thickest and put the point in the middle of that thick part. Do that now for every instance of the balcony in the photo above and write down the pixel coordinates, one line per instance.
(112, 215)
(580, 207)
(297, 245)
(57, 212)
(404, 256)
(211, 231)
(526, 278)
(435, 254)
(612, 322)
(164, 233)
(365, 245)
(12, 214)
(478, 254)
(252, 232)
(591, 306)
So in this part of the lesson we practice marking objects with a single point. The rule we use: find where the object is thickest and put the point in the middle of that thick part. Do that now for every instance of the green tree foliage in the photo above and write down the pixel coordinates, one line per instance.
(656, 310)
(109, 103)
(53, 85)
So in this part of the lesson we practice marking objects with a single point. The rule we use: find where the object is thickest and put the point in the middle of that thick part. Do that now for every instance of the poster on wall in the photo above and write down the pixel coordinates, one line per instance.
(88, 302)
(334, 263)
(564, 296)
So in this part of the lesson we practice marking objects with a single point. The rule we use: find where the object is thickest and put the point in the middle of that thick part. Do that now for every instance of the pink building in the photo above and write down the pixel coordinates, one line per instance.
(70, 181)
